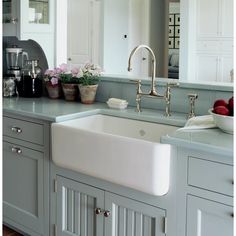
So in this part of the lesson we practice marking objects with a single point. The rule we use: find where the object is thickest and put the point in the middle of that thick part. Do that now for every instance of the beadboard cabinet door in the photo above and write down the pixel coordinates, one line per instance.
(130, 217)
(23, 186)
(206, 218)
(76, 204)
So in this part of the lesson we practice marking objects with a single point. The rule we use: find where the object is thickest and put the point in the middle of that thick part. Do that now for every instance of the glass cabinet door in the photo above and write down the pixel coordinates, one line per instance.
(38, 11)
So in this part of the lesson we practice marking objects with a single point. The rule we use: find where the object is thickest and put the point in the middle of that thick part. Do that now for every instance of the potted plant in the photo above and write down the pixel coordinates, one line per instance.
(69, 80)
(88, 82)
(53, 83)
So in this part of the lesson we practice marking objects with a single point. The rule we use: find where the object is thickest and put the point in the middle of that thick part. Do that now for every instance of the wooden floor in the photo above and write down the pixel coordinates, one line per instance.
(9, 232)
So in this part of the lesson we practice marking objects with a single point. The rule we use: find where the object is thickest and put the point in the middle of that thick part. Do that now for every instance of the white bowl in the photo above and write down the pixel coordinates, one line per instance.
(225, 123)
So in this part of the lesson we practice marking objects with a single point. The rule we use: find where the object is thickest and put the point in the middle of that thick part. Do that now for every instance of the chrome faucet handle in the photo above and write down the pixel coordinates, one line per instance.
(138, 95)
(192, 98)
(168, 97)
(138, 82)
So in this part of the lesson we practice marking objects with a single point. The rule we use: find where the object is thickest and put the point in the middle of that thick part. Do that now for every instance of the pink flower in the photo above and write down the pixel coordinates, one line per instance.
(75, 71)
(63, 67)
(54, 80)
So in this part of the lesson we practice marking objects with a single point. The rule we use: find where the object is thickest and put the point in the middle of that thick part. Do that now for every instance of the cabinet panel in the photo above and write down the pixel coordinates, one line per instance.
(226, 63)
(207, 18)
(23, 186)
(227, 17)
(205, 218)
(132, 218)
(24, 130)
(76, 205)
(207, 67)
(209, 175)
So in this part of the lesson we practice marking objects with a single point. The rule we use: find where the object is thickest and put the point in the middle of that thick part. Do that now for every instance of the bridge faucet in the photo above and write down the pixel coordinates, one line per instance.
(153, 91)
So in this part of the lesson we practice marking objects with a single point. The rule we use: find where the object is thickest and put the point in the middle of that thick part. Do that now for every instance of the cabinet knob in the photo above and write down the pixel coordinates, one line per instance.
(107, 213)
(16, 129)
(69, 59)
(98, 211)
(232, 215)
(16, 150)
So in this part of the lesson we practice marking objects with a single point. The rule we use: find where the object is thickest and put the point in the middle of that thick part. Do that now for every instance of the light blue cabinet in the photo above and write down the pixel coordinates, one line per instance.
(26, 175)
(205, 190)
(205, 218)
(129, 217)
(89, 211)
(76, 204)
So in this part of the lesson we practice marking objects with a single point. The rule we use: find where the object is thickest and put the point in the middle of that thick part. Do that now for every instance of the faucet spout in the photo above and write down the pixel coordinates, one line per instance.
(153, 91)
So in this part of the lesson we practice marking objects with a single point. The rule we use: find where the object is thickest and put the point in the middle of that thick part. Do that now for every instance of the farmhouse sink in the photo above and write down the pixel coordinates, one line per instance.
(122, 151)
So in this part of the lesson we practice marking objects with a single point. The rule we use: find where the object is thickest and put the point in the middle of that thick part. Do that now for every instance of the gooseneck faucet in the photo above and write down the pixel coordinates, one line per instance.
(153, 91)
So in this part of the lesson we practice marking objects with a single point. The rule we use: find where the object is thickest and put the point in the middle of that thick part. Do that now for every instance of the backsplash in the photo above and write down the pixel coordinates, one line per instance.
(124, 89)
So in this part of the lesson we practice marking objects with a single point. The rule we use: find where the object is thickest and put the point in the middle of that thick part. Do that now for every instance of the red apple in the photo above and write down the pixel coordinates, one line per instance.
(220, 102)
(231, 103)
(221, 110)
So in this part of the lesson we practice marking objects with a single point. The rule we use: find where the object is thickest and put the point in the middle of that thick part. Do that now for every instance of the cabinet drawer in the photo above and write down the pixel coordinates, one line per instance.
(209, 175)
(24, 130)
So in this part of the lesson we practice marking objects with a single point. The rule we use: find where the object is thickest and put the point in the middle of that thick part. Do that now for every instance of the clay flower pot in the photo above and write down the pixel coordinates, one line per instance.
(88, 93)
(54, 91)
(70, 91)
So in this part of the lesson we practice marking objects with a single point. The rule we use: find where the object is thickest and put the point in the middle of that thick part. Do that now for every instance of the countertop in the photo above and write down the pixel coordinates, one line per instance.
(210, 140)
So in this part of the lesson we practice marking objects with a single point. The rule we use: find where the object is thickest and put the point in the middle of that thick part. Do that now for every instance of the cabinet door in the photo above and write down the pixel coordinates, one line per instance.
(23, 187)
(76, 204)
(207, 18)
(208, 218)
(227, 18)
(10, 17)
(226, 65)
(129, 217)
(207, 67)
(83, 32)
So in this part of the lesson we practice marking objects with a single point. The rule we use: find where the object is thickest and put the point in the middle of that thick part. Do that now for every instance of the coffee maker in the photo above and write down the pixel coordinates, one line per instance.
(15, 58)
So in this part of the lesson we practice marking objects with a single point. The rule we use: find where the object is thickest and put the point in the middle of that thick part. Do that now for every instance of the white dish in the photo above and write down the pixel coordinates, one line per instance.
(225, 123)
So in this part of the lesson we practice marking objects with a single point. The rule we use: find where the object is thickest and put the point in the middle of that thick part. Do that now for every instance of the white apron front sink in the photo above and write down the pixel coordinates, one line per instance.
(122, 151)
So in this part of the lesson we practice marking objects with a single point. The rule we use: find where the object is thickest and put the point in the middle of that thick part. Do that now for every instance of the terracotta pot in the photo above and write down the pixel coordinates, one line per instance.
(70, 91)
(54, 91)
(88, 93)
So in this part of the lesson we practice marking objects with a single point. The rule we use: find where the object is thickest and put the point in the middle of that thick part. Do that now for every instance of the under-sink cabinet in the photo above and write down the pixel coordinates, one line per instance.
(85, 210)
(205, 190)
(26, 175)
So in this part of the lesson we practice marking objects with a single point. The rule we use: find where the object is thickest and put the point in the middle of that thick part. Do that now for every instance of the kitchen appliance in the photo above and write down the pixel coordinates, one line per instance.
(30, 83)
(15, 58)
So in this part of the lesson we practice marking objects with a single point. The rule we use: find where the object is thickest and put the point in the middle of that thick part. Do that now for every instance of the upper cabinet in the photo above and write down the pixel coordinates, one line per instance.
(31, 19)
(207, 43)
(214, 18)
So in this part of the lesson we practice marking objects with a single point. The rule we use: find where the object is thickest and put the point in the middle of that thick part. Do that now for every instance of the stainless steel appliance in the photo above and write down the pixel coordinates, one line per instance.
(15, 58)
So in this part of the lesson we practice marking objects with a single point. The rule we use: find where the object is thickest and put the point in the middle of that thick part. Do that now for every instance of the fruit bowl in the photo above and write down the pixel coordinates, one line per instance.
(225, 123)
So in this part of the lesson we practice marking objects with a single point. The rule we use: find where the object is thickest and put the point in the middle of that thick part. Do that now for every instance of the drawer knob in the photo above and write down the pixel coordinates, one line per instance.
(107, 213)
(232, 182)
(98, 211)
(16, 150)
(16, 129)
(232, 215)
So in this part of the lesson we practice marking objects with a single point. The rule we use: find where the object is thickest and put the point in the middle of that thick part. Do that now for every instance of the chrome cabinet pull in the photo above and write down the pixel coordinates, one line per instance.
(98, 211)
(107, 213)
(16, 150)
(16, 129)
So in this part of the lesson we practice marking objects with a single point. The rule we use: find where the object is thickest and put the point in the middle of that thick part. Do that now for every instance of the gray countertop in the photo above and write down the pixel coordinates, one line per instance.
(210, 140)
